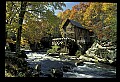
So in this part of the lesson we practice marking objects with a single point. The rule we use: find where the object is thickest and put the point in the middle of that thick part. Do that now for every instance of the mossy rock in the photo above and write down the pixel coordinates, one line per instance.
(55, 49)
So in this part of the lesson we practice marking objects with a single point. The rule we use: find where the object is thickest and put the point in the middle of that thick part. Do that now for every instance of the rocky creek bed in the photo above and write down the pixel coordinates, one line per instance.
(85, 70)
(20, 67)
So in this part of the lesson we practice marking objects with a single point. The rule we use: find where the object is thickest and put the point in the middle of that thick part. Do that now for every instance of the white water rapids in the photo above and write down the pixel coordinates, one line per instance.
(88, 70)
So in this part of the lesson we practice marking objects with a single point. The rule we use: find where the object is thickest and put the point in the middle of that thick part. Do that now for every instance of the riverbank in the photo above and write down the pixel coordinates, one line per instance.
(86, 70)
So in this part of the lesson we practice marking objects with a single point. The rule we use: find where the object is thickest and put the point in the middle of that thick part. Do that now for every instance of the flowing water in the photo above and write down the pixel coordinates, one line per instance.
(88, 70)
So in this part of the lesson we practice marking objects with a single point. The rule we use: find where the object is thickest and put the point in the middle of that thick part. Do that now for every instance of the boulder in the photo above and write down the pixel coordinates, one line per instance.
(38, 67)
(79, 63)
(108, 53)
(57, 73)
(91, 51)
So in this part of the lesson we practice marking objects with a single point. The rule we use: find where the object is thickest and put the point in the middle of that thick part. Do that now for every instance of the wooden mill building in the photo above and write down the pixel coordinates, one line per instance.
(75, 30)
(82, 36)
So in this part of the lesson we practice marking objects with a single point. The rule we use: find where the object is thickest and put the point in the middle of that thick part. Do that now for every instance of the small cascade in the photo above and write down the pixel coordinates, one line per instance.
(87, 70)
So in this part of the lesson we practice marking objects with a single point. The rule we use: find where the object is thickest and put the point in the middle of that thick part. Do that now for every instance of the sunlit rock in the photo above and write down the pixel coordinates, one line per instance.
(38, 67)
(79, 63)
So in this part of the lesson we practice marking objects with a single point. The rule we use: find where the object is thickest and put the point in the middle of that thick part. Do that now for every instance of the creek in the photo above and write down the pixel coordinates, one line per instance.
(87, 70)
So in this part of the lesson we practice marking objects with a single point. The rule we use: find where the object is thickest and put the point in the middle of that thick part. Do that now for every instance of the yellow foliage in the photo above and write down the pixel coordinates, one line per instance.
(23, 42)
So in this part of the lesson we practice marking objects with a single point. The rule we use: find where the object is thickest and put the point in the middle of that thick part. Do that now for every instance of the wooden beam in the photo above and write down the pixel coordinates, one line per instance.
(75, 33)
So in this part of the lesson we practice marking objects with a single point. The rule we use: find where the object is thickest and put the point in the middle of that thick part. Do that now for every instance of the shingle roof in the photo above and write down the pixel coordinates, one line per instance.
(76, 24)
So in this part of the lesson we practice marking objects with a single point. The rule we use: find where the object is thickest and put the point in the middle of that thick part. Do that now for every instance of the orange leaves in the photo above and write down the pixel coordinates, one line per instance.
(67, 11)
(66, 14)
(76, 12)
(96, 16)
(74, 9)
(71, 16)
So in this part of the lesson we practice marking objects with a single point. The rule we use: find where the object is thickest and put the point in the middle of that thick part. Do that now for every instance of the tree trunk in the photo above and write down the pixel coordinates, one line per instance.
(5, 37)
(21, 17)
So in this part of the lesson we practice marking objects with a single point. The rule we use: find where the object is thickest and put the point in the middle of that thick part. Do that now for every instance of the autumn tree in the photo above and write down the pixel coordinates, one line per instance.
(21, 17)
(76, 14)
(29, 10)
(100, 17)
(12, 16)
(110, 20)
(80, 10)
